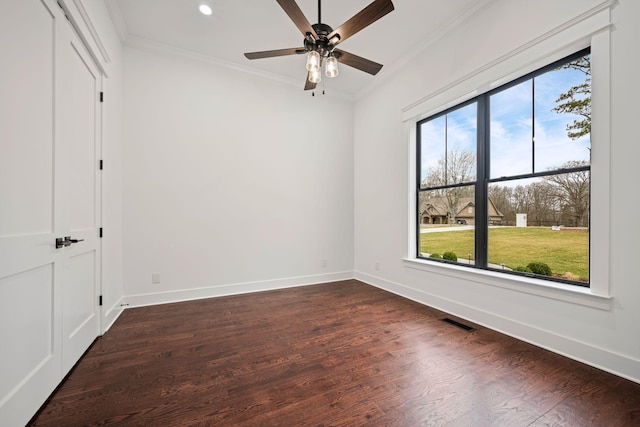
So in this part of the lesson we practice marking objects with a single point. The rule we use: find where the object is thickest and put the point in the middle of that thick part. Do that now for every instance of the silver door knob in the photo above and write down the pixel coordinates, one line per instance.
(66, 241)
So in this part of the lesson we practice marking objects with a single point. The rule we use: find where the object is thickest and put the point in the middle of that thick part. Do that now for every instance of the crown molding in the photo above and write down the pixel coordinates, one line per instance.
(441, 32)
(117, 18)
(142, 43)
(451, 26)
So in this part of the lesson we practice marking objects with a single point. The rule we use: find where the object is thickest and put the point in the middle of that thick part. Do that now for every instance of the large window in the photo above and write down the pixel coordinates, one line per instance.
(503, 180)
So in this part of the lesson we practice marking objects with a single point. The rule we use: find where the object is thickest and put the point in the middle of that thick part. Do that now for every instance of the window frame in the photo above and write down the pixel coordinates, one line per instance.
(483, 175)
(593, 29)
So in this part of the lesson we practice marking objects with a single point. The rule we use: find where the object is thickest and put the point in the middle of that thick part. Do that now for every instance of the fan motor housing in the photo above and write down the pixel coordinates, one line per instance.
(322, 30)
(322, 45)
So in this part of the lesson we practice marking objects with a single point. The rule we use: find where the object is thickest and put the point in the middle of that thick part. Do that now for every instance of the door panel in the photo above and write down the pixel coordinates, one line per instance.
(26, 108)
(26, 348)
(79, 297)
(80, 310)
(82, 99)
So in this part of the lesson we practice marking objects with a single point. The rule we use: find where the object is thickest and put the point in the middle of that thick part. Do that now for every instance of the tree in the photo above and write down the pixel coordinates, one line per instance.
(521, 201)
(572, 192)
(543, 203)
(459, 166)
(577, 100)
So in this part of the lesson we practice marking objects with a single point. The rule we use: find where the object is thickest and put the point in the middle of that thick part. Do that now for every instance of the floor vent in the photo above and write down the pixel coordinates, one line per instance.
(458, 324)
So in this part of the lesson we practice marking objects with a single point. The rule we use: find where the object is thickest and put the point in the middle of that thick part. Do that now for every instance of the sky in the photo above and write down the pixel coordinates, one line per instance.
(511, 128)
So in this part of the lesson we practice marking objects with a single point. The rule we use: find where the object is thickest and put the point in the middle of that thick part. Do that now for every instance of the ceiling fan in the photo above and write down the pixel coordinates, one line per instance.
(320, 41)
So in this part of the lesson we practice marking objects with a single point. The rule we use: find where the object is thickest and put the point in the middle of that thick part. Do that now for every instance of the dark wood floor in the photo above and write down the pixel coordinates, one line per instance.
(339, 354)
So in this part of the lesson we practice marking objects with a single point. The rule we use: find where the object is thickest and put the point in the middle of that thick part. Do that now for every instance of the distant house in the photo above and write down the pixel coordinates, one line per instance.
(434, 211)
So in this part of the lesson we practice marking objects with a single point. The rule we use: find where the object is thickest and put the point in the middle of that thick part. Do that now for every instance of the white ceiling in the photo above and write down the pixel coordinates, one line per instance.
(239, 26)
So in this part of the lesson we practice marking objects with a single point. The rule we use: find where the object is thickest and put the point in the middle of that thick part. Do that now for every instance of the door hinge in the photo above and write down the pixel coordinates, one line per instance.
(101, 96)
(100, 232)
(101, 164)
(100, 300)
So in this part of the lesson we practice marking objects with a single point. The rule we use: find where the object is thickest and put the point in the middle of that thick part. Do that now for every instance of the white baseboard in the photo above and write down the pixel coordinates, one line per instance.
(111, 315)
(141, 300)
(617, 364)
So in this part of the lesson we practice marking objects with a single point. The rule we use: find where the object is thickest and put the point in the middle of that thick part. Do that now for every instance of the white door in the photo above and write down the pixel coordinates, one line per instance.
(48, 296)
(78, 114)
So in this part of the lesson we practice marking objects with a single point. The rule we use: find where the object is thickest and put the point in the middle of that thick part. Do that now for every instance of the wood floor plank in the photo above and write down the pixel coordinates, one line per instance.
(337, 354)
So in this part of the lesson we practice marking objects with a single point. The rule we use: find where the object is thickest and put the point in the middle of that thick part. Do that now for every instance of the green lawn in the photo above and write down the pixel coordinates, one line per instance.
(563, 251)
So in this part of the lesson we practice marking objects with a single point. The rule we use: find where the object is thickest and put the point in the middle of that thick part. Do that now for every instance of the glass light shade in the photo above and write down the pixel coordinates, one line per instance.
(313, 61)
(331, 68)
(315, 76)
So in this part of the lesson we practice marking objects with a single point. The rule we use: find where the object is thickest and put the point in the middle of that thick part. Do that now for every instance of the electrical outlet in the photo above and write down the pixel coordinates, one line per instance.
(155, 278)
(377, 265)
(325, 263)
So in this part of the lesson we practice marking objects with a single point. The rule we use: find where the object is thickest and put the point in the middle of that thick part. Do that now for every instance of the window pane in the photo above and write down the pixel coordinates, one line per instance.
(447, 223)
(462, 136)
(448, 148)
(563, 116)
(541, 220)
(433, 146)
(511, 131)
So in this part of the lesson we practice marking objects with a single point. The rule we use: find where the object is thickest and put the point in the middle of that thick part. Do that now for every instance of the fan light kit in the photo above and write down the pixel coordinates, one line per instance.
(320, 41)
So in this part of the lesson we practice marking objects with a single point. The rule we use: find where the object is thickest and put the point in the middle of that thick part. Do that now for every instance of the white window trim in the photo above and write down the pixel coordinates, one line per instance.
(590, 29)
(543, 288)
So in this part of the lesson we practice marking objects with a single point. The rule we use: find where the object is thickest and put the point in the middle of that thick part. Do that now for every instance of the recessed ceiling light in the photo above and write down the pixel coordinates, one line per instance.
(205, 9)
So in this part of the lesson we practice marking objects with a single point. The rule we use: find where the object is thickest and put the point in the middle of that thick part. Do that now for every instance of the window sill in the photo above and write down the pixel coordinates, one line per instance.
(557, 291)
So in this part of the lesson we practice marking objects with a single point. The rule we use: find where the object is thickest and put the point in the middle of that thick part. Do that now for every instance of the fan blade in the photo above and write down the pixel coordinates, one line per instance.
(272, 53)
(295, 14)
(308, 85)
(362, 19)
(358, 62)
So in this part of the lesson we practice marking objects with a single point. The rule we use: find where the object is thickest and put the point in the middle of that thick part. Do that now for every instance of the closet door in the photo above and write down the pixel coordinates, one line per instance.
(30, 358)
(78, 120)
(48, 189)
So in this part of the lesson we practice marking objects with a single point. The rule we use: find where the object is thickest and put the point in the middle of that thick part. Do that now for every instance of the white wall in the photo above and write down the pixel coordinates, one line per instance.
(606, 338)
(233, 183)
